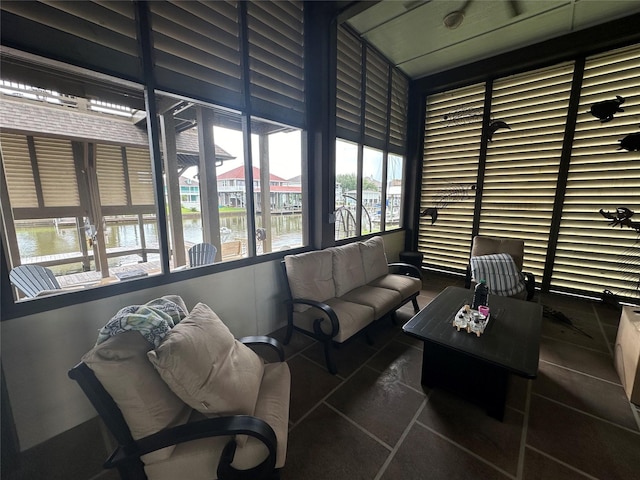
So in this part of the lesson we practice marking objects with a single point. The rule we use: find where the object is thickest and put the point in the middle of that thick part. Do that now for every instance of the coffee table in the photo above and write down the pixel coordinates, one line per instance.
(478, 368)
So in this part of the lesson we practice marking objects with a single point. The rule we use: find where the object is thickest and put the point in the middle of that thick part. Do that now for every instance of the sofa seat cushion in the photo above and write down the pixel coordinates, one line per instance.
(353, 317)
(348, 270)
(310, 276)
(403, 284)
(147, 403)
(374, 259)
(207, 367)
(382, 300)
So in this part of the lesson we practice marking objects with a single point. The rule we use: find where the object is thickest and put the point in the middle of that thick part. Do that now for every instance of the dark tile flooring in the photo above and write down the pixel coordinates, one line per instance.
(375, 421)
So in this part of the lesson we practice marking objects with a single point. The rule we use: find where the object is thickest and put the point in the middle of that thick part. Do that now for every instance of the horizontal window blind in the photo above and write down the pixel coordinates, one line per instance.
(592, 254)
(523, 160)
(276, 60)
(103, 34)
(18, 170)
(398, 113)
(110, 173)
(197, 49)
(57, 169)
(140, 176)
(376, 99)
(453, 131)
(348, 86)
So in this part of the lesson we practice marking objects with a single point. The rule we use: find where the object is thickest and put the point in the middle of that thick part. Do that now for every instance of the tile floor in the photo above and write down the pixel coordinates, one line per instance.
(375, 421)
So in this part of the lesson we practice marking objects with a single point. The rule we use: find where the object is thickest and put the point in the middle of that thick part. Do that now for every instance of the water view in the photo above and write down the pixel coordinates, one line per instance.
(51, 239)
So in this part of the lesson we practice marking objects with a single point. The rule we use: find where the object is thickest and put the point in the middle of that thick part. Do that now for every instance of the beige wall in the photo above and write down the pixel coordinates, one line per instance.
(38, 350)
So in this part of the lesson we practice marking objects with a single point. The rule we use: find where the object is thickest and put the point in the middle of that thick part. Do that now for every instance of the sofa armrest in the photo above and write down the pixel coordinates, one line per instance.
(406, 269)
(265, 340)
(327, 310)
(210, 427)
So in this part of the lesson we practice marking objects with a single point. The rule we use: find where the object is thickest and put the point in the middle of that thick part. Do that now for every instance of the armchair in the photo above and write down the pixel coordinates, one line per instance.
(177, 408)
(202, 254)
(484, 245)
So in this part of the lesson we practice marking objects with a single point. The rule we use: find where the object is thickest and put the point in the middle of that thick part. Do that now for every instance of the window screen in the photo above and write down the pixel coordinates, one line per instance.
(376, 110)
(398, 111)
(523, 159)
(592, 253)
(349, 86)
(197, 49)
(103, 33)
(276, 60)
(453, 129)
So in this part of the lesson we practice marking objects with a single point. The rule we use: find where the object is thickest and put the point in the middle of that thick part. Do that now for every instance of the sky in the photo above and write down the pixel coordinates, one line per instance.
(285, 156)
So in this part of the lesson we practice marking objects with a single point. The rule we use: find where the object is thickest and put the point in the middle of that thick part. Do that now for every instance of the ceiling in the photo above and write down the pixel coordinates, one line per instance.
(413, 36)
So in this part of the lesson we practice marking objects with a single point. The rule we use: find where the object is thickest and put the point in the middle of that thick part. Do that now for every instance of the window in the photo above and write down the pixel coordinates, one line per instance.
(277, 172)
(102, 224)
(371, 190)
(346, 225)
(371, 105)
(205, 145)
(394, 198)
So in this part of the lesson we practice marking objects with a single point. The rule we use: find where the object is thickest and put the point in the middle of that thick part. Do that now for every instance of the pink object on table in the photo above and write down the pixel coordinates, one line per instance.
(483, 310)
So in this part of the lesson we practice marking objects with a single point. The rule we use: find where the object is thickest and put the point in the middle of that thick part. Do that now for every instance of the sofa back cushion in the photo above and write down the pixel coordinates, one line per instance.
(147, 403)
(310, 276)
(348, 271)
(207, 367)
(374, 259)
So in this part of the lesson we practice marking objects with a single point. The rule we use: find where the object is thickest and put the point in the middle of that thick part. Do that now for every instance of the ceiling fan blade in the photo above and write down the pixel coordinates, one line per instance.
(515, 8)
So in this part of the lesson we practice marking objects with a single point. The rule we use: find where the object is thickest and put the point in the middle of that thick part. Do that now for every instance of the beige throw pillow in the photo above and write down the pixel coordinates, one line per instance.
(207, 367)
(146, 402)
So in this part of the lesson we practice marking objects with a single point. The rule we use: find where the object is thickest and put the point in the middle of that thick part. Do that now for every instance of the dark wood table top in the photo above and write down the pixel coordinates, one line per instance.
(511, 339)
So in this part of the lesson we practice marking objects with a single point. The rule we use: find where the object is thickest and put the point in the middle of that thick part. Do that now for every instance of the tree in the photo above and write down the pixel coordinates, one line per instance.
(348, 182)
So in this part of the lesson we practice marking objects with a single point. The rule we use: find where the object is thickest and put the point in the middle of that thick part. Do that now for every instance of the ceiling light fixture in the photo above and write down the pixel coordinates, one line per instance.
(453, 20)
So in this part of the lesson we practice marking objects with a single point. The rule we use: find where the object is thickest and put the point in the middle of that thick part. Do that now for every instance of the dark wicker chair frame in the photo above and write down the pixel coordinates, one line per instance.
(126, 457)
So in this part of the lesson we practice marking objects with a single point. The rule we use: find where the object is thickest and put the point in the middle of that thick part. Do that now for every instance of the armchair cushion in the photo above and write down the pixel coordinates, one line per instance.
(207, 367)
(500, 272)
(483, 245)
(311, 276)
(147, 403)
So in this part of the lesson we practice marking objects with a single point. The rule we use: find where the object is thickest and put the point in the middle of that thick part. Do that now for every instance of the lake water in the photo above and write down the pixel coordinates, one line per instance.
(40, 240)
